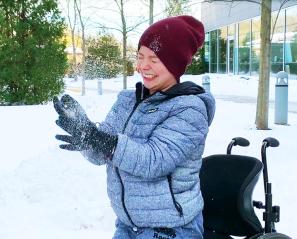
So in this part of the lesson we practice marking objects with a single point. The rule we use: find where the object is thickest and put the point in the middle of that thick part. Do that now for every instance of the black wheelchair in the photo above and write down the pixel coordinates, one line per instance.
(227, 184)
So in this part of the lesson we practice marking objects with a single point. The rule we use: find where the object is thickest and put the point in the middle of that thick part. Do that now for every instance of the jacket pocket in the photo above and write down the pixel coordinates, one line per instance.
(176, 204)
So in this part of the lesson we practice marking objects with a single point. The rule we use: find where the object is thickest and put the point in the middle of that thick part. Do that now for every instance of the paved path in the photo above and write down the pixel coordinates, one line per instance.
(292, 106)
(77, 89)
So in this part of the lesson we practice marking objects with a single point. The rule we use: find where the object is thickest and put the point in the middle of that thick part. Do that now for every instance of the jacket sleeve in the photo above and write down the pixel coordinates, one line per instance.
(95, 157)
(109, 125)
(172, 142)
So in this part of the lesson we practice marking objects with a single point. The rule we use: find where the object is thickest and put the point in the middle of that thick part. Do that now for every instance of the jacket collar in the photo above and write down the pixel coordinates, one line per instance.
(185, 88)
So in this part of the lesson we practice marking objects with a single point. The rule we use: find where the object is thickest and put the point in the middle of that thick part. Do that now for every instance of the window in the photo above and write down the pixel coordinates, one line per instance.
(244, 43)
(291, 41)
(213, 51)
(222, 49)
(256, 42)
(207, 53)
(277, 43)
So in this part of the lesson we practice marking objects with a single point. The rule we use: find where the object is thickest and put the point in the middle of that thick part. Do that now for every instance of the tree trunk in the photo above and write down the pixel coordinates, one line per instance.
(151, 12)
(72, 28)
(83, 88)
(124, 60)
(124, 30)
(73, 65)
(264, 75)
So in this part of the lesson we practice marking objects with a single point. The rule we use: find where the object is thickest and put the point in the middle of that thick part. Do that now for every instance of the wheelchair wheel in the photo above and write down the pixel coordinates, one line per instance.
(273, 235)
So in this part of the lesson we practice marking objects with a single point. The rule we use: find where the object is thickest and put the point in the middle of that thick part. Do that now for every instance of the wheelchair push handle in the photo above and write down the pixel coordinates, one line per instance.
(271, 214)
(271, 142)
(237, 141)
(267, 142)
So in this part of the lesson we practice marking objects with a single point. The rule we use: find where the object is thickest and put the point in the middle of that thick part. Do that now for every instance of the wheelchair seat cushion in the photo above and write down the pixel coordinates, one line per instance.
(227, 184)
(213, 235)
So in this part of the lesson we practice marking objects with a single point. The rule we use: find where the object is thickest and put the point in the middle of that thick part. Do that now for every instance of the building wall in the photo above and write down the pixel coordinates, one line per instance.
(221, 13)
(234, 46)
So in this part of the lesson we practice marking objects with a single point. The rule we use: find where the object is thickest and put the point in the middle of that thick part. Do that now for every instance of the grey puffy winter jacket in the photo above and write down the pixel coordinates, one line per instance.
(153, 176)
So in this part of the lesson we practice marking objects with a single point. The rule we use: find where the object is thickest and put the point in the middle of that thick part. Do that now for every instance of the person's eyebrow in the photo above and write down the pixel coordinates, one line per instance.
(150, 56)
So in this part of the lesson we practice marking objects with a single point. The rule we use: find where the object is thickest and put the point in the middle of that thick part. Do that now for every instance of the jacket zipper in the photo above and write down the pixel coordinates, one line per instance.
(120, 178)
(176, 204)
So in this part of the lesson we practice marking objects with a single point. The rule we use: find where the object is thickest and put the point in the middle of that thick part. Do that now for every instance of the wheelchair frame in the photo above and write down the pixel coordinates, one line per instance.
(250, 228)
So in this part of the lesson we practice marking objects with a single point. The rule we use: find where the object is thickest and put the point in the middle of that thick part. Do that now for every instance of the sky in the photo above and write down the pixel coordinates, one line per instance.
(47, 193)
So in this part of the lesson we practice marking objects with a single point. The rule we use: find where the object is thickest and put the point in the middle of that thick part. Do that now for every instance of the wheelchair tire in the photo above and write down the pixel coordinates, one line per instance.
(273, 235)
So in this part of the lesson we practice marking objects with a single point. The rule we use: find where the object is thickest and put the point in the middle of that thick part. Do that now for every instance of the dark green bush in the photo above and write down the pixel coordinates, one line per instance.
(198, 65)
(32, 58)
(104, 57)
(130, 68)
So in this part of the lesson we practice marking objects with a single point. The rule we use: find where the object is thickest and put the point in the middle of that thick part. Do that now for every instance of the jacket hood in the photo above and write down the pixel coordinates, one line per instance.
(184, 88)
(190, 88)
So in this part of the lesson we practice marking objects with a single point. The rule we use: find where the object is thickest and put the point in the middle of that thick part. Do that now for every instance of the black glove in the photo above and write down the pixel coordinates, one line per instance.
(84, 134)
(70, 112)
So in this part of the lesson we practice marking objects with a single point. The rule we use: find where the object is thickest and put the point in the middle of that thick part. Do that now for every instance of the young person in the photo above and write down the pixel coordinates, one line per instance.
(152, 140)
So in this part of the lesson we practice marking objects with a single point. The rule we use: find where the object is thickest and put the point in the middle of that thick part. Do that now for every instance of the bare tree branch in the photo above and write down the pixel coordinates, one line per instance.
(251, 1)
(104, 9)
(82, 24)
(278, 12)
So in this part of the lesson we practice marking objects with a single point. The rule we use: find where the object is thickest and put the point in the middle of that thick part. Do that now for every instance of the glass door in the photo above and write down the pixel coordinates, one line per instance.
(230, 55)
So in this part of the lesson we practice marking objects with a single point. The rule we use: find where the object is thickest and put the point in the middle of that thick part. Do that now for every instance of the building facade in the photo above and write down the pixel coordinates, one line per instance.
(232, 43)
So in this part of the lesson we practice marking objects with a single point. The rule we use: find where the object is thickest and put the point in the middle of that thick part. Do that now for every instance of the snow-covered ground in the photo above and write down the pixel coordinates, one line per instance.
(46, 192)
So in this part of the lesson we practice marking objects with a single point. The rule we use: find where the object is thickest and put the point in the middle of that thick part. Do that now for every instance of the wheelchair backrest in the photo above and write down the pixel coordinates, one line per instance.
(227, 184)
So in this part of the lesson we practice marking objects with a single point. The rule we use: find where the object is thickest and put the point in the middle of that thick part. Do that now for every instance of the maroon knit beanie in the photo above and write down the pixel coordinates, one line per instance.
(174, 40)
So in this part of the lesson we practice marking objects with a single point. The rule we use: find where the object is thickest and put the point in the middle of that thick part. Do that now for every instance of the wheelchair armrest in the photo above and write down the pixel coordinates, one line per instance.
(258, 204)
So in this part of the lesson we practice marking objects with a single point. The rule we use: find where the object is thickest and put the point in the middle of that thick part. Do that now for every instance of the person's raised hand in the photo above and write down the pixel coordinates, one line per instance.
(83, 134)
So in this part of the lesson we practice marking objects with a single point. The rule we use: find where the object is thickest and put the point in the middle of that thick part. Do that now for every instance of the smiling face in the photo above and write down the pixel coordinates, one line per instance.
(155, 75)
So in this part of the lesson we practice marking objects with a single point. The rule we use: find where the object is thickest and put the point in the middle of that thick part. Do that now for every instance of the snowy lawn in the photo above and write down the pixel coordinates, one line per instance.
(46, 192)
